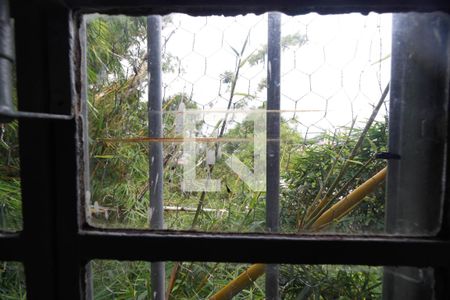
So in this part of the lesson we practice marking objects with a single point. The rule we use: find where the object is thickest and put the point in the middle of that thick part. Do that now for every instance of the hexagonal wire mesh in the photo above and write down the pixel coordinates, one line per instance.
(333, 72)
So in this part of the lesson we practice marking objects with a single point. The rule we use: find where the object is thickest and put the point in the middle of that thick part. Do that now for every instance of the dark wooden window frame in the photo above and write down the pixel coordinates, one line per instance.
(56, 243)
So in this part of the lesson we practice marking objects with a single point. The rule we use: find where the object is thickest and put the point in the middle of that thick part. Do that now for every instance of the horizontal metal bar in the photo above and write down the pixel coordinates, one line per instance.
(232, 7)
(11, 247)
(10, 114)
(264, 248)
(267, 248)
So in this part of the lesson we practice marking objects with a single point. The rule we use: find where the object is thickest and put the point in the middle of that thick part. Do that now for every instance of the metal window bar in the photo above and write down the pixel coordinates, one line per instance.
(155, 149)
(50, 184)
(89, 287)
(7, 111)
(419, 101)
(273, 144)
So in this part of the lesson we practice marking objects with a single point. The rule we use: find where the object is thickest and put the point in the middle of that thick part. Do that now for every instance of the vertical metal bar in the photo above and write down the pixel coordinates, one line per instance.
(5, 72)
(6, 60)
(273, 142)
(84, 160)
(62, 27)
(49, 183)
(34, 140)
(155, 149)
(418, 114)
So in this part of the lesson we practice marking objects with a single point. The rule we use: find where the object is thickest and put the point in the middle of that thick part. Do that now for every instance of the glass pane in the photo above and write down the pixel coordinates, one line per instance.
(194, 280)
(12, 281)
(10, 193)
(216, 128)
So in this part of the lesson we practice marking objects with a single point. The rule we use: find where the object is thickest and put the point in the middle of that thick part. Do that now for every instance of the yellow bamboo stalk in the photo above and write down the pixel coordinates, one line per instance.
(241, 282)
(313, 210)
(337, 211)
(344, 205)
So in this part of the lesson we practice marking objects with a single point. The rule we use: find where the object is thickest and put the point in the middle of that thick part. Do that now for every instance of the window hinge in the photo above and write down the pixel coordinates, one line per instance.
(7, 111)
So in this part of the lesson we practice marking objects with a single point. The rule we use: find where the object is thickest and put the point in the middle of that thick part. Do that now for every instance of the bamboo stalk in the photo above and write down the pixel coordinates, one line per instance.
(333, 197)
(173, 278)
(317, 202)
(344, 205)
(241, 282)
(326, 199)
(340, 209)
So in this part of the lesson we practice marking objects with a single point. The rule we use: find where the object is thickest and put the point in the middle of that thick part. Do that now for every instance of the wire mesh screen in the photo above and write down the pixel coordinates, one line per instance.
(333, 122)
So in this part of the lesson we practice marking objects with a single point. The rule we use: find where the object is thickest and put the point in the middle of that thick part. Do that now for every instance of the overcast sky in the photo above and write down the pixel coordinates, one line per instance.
(337, 75)
(341, 70)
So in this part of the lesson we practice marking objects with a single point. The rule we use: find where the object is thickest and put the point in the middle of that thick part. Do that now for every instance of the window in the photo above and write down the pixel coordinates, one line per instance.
(57, 244)
(216, 125)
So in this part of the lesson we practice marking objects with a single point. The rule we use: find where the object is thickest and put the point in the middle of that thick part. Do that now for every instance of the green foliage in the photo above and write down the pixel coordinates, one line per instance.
(116, 73)
(10, 194)
(131, 280)
(12, 277)
(119, 175)
(12, 281)
(330, 282)
(10, 204)
(309, 170)
(117, 40)
(121, 280)
(117, 56)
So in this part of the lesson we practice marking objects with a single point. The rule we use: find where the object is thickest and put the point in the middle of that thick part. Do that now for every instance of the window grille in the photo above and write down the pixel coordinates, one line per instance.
(56, 243)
